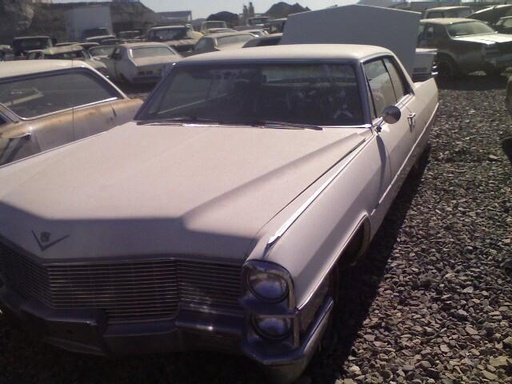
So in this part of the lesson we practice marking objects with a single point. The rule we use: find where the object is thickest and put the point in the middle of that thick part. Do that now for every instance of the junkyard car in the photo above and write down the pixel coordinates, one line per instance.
(222, 41)
(492, 14)
(181, 38)
(139, 63)
(219, 218)
(22, 44)
(465, 46)
(48, 103)
(68, 52)
(449, 11)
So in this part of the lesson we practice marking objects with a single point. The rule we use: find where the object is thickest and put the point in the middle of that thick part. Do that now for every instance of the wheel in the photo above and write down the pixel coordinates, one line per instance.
(447, 68)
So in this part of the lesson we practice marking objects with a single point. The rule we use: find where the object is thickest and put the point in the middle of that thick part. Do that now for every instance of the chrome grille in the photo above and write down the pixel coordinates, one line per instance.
(146, 289)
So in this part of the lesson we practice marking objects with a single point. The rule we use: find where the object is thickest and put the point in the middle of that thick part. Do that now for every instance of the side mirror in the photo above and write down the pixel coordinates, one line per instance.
(391, 114)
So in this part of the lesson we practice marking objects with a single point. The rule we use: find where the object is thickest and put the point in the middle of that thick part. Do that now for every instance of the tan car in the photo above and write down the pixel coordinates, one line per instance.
(48, 103)
(465, 46)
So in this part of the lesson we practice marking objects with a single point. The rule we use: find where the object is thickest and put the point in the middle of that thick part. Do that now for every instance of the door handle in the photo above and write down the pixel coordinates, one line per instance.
(411, 119)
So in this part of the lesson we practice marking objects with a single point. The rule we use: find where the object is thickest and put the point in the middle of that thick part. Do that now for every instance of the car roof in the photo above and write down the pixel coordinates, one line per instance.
(28, 67)
(448, 8)
(448, 20)
(223, 34)
(494, 7)
(293, 52)
(174, 26)
(31, 37)
(62, 49)
(143, 44)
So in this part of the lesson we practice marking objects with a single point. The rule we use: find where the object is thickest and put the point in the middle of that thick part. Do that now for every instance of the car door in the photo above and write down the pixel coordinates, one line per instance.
(112, 63)
(388, 86)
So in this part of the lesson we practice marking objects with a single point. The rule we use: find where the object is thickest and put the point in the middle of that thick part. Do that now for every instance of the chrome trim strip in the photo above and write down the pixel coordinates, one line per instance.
(288, 223)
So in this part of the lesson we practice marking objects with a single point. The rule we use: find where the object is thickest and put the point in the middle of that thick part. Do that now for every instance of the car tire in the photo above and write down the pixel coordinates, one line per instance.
(447, 68)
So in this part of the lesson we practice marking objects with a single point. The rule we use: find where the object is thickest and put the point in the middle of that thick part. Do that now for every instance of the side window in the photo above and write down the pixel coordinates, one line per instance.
(400, 86)
(381, 87)
(31, 97)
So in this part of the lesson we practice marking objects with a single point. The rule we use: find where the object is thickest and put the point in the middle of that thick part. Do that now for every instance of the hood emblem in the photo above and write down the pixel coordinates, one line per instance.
(44, 240)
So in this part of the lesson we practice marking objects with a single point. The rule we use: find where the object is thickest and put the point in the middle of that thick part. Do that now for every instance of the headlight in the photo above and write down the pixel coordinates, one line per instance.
(273, 328)
(267, 286)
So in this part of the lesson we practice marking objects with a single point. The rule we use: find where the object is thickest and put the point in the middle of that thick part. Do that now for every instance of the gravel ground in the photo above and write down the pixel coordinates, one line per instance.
(431, 302)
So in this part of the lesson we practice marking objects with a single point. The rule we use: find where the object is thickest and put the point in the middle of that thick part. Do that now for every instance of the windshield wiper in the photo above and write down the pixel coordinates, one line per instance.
(285, 125)
(179, 119)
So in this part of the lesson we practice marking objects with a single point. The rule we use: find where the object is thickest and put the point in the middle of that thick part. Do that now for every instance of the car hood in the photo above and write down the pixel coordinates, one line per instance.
(486, 38)
(139, 190)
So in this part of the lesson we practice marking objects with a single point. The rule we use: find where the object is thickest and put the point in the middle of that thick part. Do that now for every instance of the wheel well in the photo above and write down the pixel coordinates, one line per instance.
(357, 245)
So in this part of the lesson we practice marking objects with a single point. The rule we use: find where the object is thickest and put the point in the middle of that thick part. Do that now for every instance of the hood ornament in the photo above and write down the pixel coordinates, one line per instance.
(44, 240)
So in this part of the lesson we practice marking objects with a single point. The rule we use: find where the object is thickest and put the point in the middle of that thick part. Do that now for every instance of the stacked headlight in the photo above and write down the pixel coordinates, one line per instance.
(272, 328)
(266, 285)
(269, 300)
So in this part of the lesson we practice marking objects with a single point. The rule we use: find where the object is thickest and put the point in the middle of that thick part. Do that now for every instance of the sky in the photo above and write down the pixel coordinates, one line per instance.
(204, 8)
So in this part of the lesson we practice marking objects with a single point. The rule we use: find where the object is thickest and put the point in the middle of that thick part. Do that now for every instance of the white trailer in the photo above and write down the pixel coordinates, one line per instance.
(84, 18)
(357, 24)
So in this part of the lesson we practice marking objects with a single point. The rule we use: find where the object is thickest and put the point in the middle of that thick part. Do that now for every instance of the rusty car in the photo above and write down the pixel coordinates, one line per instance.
(48, 103)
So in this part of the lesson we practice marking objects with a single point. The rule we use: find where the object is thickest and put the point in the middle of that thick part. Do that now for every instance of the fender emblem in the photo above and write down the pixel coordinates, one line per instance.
(44, 240)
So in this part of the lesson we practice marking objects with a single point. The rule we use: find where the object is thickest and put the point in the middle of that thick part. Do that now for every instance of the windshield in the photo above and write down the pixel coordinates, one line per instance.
(139, 53)
(168, 34)
(469, 28)
(319, 94)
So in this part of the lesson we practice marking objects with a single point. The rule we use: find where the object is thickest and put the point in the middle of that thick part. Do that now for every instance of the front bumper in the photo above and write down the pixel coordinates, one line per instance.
(88, 331)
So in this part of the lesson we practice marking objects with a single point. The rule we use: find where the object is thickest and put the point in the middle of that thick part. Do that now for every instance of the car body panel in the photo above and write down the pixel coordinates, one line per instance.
(225, 207)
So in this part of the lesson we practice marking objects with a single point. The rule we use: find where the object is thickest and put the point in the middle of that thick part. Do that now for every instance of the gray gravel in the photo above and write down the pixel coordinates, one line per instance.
(431, 303)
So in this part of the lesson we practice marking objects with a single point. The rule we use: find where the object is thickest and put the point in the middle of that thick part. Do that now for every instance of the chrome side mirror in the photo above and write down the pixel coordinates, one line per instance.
(391, 114)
